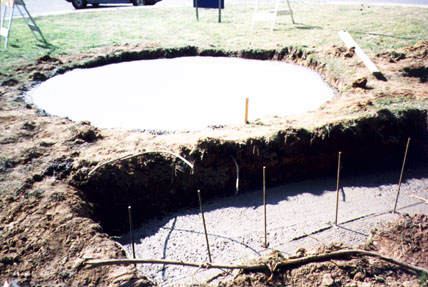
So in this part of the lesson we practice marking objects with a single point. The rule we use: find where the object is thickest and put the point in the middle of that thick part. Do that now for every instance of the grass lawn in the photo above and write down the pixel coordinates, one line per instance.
(375, 28)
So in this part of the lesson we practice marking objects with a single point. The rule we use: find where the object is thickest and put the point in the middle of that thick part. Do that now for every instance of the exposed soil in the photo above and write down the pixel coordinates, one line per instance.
(54, 214)
(404, 240)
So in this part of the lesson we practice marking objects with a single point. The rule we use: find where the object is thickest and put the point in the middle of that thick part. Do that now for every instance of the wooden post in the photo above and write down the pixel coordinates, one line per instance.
(264, 205)
(246, 110)
(337, 188)
(205, 227)
(349, 42)
(131, 229)
(401, 175)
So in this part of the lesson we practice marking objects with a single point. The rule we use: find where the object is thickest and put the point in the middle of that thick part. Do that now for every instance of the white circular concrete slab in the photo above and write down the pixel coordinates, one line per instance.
(187, 93)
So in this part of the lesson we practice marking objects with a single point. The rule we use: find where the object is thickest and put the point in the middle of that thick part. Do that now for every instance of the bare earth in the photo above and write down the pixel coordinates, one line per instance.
(47, 227)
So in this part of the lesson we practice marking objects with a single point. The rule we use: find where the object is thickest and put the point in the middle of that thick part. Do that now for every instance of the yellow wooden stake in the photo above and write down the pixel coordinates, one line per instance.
(246, 110)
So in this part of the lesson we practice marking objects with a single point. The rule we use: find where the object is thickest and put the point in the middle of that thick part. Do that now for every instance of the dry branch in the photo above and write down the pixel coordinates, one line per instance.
(262, 267)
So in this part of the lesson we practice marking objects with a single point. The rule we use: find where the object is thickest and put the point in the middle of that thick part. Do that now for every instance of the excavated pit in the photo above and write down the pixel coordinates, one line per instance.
(156, 183)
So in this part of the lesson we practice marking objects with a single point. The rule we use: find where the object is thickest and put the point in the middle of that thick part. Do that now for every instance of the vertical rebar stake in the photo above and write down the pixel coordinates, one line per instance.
(337, 188)
(197, 9)
(205, 227)
(131, 230)
(219, 11)
(264, 204)
(401, 175)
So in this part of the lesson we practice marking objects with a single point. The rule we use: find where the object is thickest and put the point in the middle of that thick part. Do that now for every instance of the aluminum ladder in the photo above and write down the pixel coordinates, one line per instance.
(264, 15)
(5, 30)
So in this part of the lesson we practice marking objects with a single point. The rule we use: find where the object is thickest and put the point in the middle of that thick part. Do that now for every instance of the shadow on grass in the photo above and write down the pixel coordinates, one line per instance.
(384, 35)
(302, 26)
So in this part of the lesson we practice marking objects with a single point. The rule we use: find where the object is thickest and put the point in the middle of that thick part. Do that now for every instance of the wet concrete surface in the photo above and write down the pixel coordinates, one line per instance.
(186, 93)
(299, 214)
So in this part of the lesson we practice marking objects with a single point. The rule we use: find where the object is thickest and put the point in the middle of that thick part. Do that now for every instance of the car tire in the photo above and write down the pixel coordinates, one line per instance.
(150, 2)
(136, 2)
(79, 4)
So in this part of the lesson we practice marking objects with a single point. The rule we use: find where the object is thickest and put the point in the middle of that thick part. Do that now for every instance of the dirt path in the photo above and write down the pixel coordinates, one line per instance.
(235, 223)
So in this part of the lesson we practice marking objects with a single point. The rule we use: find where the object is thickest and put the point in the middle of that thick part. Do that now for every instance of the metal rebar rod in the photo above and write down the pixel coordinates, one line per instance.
(337, 187)
(205, 227)
(219, 11)
(197, 9)
(401, 175)
(264, 205)
(131, 230)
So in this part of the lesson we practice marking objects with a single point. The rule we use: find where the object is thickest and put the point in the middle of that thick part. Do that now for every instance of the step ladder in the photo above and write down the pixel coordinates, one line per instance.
(5, 30)
(263, 13)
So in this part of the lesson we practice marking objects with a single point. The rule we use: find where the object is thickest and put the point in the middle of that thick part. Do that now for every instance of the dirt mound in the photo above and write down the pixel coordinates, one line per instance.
(46, 236)
(405, 240)
(419, 50)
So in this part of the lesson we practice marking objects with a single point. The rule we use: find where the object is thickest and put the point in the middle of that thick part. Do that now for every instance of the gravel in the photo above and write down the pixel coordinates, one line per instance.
(235, 224)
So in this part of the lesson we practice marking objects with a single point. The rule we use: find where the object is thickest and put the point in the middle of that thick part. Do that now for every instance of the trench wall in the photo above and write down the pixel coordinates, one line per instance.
(157, 183)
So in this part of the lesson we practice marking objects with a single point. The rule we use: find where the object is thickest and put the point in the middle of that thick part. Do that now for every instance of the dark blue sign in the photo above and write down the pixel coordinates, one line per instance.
(208, 4)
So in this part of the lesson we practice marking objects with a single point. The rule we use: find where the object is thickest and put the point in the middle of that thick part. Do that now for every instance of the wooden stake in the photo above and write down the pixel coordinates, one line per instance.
(205, 227)
(246, 110)
(264, 205)
(401, 175)
(349, 42)
(337, 187)
(131, 230)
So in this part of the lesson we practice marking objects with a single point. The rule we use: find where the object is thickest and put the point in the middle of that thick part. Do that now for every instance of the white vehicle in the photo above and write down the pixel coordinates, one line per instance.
(80, 4)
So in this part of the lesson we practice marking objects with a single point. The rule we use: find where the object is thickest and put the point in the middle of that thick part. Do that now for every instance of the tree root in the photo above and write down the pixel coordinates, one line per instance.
(265, 267)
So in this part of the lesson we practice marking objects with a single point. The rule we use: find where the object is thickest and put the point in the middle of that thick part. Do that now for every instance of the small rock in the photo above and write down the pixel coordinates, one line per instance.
(350, 53)
(327, 280)
(301, 252)
(411, 284)
(9, 82)
(26, 275)
(87, 134)
(37, 177)
(359, 276)
(38, 77)
(46, 144)
(360, 83)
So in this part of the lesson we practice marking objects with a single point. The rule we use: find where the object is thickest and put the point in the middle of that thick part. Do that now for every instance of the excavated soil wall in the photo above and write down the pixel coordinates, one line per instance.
(155, 183)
